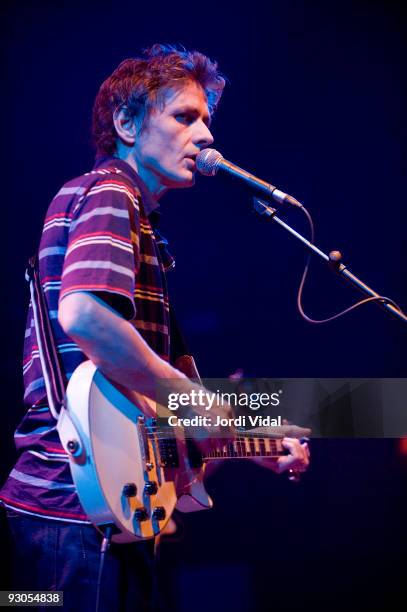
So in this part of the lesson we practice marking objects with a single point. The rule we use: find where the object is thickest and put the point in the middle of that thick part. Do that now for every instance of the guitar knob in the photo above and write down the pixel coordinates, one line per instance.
(159, 513)
(150, 487)
(140, 514)
(130, 489)
(73, 447)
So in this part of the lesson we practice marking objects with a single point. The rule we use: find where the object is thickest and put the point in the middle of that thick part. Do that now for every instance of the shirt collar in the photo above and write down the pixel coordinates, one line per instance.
(150, 205)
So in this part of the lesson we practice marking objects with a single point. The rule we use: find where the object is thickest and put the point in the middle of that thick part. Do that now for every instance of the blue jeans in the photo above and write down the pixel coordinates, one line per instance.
(52, 555)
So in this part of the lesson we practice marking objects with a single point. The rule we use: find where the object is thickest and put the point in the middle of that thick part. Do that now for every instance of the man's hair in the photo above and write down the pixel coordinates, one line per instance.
(140, 84)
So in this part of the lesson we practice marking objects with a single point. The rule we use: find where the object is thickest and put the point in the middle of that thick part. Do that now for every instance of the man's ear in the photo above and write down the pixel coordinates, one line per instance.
(125, 125)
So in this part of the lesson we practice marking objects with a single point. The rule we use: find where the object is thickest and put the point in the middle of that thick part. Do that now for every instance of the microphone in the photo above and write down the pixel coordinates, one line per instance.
(209, 161)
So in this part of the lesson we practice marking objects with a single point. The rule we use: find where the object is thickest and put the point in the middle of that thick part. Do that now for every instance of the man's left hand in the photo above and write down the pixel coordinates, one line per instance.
(297, 459)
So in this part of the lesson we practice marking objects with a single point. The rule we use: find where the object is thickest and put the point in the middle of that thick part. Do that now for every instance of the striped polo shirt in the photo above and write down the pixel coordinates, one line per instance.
(98, 237)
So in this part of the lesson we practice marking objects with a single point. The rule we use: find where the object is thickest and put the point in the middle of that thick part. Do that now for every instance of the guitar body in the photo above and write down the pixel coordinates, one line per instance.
(129, 474)
(126, 475)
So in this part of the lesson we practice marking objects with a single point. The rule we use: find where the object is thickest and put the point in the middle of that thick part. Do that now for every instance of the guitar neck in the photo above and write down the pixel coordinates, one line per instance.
(246, 445)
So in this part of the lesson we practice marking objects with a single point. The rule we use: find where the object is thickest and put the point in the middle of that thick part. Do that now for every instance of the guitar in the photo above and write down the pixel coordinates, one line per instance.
(130, 474)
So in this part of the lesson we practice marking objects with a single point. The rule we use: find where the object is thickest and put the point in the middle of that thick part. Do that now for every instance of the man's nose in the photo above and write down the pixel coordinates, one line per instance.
(204, 136)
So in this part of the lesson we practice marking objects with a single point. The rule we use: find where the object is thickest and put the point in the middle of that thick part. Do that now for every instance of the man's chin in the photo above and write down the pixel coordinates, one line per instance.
(190, 183)
(184, 182)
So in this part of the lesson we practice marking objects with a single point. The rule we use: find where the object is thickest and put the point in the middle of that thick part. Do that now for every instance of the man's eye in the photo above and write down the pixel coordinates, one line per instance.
(184, 118)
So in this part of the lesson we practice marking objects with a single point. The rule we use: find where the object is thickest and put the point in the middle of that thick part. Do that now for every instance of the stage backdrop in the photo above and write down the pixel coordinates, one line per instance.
(314, 104)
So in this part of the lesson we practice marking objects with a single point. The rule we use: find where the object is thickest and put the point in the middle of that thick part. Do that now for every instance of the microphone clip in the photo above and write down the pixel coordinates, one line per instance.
(263, 208)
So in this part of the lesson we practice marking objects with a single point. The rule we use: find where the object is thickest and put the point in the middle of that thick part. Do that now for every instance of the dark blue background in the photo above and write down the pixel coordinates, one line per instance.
(314, 104)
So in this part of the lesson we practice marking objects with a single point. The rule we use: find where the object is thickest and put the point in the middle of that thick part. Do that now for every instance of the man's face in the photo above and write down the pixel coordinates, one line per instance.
(165, 150)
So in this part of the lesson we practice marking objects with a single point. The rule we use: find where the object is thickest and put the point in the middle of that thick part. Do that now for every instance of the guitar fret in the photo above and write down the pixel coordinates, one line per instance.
(257, 447)
(240, 447)
(247, 447)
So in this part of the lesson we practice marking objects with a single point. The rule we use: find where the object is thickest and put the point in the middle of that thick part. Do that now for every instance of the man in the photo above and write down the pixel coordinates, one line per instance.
(102, 267)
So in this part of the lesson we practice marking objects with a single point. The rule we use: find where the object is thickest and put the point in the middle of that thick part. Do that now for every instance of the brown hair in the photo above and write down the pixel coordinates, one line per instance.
(139, 84)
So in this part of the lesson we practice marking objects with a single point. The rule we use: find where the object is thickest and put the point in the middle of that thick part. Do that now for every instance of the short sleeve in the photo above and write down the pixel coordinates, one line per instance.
(102, 254)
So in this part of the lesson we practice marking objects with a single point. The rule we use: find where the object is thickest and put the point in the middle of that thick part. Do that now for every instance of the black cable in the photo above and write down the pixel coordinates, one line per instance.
(103, 550)
(379, 298)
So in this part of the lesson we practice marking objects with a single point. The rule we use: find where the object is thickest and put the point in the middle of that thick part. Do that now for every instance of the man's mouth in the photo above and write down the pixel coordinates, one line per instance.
(191, 158)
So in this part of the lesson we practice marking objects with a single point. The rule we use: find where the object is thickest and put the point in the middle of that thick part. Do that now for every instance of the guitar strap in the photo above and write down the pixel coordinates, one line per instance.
(50, 364)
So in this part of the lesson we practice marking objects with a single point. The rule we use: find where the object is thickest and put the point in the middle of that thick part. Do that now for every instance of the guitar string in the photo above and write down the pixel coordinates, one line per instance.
(234, 440)
(234, 449)
(237, 441)
(248, 434)
(230, 451)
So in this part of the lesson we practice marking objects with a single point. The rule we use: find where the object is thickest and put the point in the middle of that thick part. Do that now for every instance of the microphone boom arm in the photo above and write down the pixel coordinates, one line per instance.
(333, 260)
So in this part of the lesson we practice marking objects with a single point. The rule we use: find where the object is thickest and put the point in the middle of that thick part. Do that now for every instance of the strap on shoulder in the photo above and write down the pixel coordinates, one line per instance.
(50, 364)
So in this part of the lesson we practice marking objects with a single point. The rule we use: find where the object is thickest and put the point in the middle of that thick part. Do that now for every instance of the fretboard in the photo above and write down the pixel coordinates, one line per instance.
(247, 444)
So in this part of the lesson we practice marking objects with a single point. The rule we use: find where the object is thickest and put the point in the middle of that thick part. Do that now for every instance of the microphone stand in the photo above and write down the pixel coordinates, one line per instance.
(333, 259)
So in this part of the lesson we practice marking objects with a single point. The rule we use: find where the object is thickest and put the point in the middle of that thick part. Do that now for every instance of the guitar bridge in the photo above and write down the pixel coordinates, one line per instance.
(145, 448)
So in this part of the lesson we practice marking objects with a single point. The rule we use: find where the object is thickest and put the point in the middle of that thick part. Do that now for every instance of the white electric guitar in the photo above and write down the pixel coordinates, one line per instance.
(129, 474)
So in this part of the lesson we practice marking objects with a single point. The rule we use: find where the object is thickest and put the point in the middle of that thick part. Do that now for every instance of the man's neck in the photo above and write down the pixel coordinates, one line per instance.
(155, 188)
